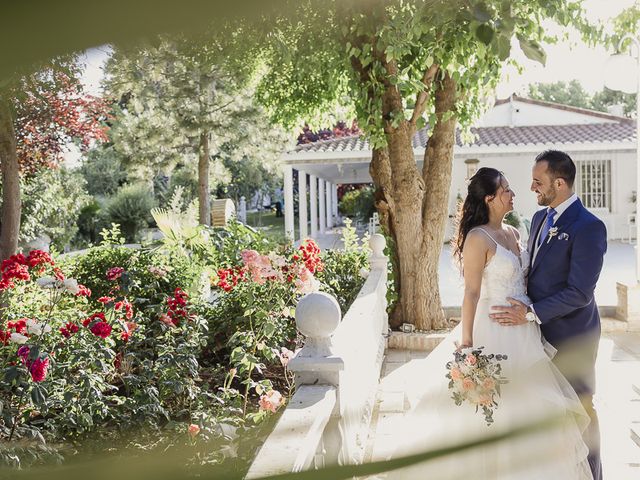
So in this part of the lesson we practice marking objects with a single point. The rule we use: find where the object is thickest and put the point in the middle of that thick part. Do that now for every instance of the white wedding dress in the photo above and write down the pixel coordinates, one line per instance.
(536, 390)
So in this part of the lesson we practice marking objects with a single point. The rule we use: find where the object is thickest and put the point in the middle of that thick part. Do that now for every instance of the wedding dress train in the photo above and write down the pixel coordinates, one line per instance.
(536, 391)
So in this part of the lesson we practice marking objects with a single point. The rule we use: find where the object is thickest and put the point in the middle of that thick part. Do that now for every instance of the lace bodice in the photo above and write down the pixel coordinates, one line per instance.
(504, 276)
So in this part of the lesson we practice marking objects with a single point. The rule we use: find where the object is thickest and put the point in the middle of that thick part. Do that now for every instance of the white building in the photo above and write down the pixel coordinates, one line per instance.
(507, 137)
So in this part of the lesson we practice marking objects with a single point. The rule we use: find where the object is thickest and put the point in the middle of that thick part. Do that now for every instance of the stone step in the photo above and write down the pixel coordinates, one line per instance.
(422, 341)
(610, 325)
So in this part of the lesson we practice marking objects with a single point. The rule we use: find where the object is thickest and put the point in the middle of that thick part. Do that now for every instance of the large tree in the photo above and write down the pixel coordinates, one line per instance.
(402, 65)
(41, 113)
(573, 93)
(183, 102)
(566, 93)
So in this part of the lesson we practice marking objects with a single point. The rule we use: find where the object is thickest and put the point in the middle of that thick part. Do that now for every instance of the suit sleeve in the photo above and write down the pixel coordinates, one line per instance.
(587, 254)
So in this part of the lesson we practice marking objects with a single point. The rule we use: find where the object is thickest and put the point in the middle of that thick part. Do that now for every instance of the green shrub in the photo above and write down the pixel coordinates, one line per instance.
(358, 204)
(103, 171)
(130, 208)
(513, 218)
(148, 379)
(343, 272)
(51, 204)
(90, 222)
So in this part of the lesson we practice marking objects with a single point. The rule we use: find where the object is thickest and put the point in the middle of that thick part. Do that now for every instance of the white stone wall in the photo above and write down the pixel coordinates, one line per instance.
(518, 113)
(517, 168)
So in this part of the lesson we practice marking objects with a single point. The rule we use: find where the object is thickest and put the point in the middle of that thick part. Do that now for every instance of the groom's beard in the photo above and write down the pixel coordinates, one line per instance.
(545, 198)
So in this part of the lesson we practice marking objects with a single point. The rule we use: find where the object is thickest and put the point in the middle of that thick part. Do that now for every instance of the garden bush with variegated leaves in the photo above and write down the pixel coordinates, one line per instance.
(120, 345)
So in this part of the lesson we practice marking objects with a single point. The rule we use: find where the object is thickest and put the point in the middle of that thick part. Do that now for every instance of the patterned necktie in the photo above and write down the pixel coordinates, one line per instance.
(547, 225)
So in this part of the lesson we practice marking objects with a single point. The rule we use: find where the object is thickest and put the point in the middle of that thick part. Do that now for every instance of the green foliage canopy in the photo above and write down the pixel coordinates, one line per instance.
(345, 56)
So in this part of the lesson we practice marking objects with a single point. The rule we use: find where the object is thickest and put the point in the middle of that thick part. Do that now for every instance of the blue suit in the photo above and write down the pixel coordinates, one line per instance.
(561, 284)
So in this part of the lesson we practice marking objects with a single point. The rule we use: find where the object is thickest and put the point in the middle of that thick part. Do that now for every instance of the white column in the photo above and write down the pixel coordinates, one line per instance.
(288, 202)
(242, 210)
(302, 203)
(313, 203)
(322, 201)
(334, 200)
(329, 208)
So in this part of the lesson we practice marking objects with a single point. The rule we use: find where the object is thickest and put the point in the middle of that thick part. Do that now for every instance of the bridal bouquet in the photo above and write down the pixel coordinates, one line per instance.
(475, 378)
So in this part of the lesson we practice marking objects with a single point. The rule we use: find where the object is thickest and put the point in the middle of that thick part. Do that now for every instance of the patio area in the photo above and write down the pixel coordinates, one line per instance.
(617, 402)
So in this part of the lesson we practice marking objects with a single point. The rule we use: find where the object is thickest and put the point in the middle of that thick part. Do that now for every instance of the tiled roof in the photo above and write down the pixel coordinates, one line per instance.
(624, 131)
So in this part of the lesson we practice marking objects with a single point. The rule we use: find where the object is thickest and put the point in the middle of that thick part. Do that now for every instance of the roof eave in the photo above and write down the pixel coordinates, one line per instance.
(365, 155)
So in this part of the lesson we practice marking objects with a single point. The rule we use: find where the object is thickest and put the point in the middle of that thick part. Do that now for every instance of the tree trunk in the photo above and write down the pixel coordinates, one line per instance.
(413, 207)
(203, 180)
(11, 203)
(436, 172)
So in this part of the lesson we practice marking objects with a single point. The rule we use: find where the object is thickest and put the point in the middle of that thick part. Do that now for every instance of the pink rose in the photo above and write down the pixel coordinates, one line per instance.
(456, 374)
(193, 430)
(471, 359)
(115, 273)
(489, 384)
(285, 356)
(38, 369)
(270, 401)
(468, 384)
(249, 256)
(167, 320)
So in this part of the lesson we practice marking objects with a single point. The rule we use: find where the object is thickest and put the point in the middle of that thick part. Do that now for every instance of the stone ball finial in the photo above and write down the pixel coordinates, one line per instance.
(377, 244)
(318, 315)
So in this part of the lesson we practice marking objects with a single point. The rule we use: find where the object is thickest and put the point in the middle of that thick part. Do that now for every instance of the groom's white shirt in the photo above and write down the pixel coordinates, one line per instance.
(560, 209)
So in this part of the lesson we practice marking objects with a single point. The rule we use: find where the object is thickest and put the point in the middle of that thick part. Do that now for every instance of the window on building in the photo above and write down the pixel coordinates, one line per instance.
(593, 183)
(472, 167)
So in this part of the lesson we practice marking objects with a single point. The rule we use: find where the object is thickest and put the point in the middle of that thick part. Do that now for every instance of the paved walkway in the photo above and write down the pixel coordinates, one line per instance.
(617, 401)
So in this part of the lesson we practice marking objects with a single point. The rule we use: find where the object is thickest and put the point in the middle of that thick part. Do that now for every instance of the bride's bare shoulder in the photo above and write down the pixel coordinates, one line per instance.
(513, 230)
(477, 240)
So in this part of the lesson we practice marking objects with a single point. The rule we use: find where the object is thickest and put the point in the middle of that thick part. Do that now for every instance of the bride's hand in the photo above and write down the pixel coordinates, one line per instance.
(462, 346)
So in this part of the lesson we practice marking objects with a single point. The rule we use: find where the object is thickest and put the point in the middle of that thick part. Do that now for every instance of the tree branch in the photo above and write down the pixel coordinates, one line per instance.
(421, 100)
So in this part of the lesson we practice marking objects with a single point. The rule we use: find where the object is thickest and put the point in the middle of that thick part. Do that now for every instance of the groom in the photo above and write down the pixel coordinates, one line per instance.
(566, 244)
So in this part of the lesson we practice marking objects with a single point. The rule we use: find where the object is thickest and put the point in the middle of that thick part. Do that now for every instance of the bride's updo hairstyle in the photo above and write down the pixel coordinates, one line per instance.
(474, 210)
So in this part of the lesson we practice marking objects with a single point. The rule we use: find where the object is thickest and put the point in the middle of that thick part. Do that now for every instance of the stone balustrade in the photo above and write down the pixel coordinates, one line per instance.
(336, 376)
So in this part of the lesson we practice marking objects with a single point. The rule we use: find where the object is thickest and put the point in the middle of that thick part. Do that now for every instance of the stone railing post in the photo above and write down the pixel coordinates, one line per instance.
(242, 210)
(317, 317)
(379, 261)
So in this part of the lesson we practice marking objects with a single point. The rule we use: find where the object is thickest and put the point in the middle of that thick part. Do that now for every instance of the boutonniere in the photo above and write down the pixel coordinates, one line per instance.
(553, 231)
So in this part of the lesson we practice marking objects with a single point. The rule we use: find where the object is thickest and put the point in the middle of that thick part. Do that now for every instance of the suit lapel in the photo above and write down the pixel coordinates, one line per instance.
(567, 218)
(536, 223)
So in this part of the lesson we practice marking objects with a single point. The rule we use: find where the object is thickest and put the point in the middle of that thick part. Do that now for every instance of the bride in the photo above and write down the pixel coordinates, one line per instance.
(494, 267)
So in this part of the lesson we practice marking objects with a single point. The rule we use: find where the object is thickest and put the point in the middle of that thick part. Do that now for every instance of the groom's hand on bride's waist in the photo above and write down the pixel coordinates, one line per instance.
(511, 315)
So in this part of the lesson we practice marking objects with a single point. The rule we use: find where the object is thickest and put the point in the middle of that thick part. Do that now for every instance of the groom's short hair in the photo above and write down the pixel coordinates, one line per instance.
(559, 165)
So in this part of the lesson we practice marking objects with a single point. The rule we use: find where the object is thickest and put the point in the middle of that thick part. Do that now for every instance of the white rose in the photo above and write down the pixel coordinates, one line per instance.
(71, 285)
(33, 327)
(46, 282)
(18, 338)
(277, 260)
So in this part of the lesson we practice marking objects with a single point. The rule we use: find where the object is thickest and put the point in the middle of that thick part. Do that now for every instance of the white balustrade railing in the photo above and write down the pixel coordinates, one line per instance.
(336, 373)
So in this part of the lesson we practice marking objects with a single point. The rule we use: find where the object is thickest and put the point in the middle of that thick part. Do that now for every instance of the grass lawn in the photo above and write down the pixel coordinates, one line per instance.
(270, 225)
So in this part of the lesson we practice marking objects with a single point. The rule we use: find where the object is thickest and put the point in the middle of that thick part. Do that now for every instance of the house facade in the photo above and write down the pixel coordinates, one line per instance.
(507, 137)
